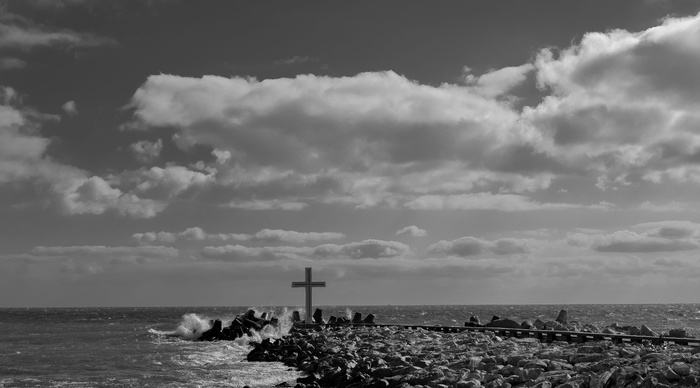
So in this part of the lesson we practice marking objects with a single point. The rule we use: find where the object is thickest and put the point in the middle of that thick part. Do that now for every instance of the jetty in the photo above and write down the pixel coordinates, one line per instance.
(541, 335)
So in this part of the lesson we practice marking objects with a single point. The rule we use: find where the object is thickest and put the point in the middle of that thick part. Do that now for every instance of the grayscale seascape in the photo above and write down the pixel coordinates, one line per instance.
(421, 162)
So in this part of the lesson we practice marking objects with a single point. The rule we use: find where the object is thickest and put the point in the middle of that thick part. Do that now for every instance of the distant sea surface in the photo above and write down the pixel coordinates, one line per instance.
(153, 346)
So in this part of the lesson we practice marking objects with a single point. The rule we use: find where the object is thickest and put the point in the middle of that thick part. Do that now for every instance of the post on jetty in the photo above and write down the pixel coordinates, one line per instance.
(308, 284)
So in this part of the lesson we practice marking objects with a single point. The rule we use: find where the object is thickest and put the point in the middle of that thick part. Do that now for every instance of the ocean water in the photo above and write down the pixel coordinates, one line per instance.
(153, 347)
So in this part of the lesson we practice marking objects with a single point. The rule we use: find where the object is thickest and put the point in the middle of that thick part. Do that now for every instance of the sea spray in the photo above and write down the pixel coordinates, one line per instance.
(192, 326)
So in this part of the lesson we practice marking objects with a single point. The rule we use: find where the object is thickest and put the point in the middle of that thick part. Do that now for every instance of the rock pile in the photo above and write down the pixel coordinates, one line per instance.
(333, 320)
(561, 323)
(241, 325)
(387, 357)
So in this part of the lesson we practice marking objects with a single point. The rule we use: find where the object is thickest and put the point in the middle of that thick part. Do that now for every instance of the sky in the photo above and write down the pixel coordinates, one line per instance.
(191, 153)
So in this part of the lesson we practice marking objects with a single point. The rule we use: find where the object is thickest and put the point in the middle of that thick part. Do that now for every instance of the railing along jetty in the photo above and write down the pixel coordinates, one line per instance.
(549, 335)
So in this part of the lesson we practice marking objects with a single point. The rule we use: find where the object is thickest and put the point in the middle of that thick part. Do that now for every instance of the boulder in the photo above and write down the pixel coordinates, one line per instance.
(251, 324)
(368, 319)
(527, 324)
(562, 317)
(213, 333)
(647, 331)
(357, 318)
(295, 316)
(495, 318)
(318, 316)
(504, 323)
(678, 333)
(332, 320)
(237, 322)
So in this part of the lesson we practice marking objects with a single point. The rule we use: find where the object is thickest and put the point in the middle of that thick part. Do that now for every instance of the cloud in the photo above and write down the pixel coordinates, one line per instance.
(670, 229)
(19, 32)
(296, 60)
(163, 183)
(621, 103)
(146, 151)
(273, 235)
(366, 249)
(72, 191)
(627, 241)
(239, 253)
(484, 201)
(271, 204)
(498, 82)
(91, 260)
(472, 246)
(672, 206)
(264, 235)
(10, 63)
(659, 236)
(100, 251)
(70, 107)
(94, 195)
(412, 231)
(370, 139)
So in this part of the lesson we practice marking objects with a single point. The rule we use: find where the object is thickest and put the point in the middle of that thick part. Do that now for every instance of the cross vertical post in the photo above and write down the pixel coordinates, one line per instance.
(308, 284)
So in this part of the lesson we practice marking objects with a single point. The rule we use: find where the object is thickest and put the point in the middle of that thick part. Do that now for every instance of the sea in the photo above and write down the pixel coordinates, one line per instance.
(156, 346)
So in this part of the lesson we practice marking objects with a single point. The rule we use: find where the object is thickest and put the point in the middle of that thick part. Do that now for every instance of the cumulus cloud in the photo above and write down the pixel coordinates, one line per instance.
(670, 229)
(472, 246)
(22, 148)
(24, 161)
(367, 249)
(660, 236)
(264, 235)
(163, 183)
(498, 82)
(622, 103)
(412, 231)
(94, 195)
(370, 139)
(146, 151)
(70, 108)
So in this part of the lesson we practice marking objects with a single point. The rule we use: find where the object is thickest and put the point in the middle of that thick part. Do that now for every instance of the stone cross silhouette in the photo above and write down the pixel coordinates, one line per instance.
(308, 284)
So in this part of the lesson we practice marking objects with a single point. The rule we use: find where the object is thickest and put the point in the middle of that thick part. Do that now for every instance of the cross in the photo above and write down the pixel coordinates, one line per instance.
(308, 284)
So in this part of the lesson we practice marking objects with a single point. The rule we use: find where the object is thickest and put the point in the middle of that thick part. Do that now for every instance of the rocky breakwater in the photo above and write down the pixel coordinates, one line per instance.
(240, 326)
(562, 323)
(373, 356)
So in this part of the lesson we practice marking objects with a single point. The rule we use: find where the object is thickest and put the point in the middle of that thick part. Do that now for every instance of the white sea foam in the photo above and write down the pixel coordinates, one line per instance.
(192, 326)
